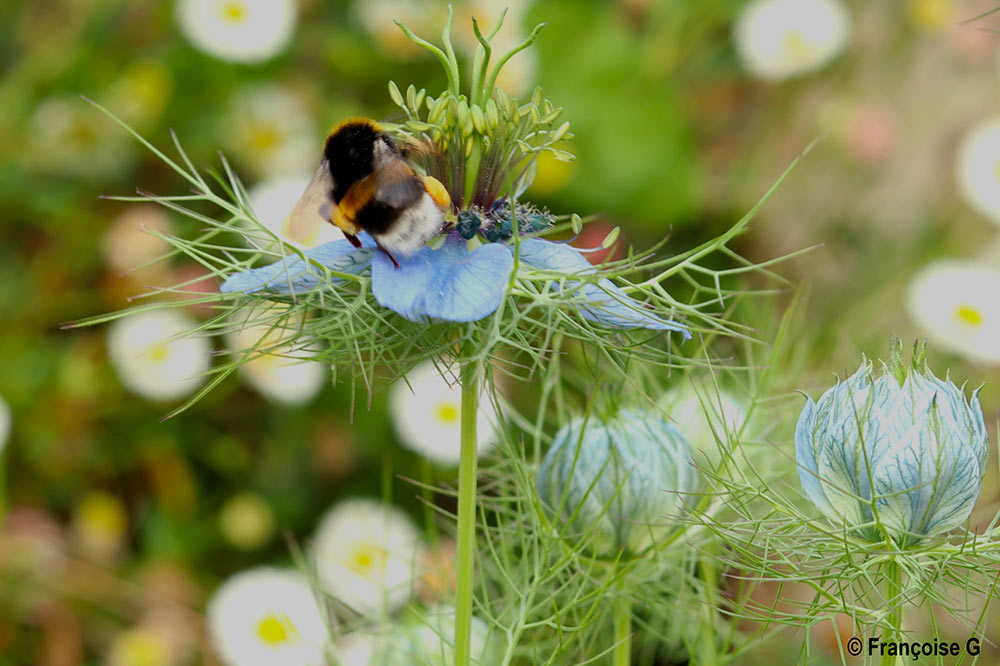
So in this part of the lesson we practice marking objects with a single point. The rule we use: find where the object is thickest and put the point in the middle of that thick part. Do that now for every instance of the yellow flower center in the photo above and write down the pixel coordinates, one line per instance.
(275, 631)
(367, 559)
(447, 413)
(159, 354)
(932, 13)
(140, 648)
(969, 315)
(234, 12)
(264, 138)
(796, 46)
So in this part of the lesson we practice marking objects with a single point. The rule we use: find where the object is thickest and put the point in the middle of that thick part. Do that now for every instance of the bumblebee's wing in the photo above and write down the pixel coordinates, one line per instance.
(396, 186)
(316, 196)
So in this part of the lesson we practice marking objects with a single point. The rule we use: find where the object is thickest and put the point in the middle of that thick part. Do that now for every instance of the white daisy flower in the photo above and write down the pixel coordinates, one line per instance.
(366, 555)
(776, 39)
(270, 129)
(268, 617)
(247, 31)
(273, 201)
(378, 16)
(4, 424)
(977, 169)
(434, 638)
(152, 358)
(958, 306)
(133, 241)
(284, 375)
(364, 648)
(425, 640)
(427, 415)
(68, 136)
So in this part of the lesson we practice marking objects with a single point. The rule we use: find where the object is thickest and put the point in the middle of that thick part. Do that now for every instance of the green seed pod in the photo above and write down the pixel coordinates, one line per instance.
(469, 223)
(617, 485)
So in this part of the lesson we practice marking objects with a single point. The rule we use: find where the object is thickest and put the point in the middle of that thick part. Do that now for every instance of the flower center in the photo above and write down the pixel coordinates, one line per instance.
(159, 354)
(264, 138)
(234, 12)
(447, 413)
(367, 559)
(142, 648)
(275, 631)
(931, 13)
(796, 46)
(969, 315)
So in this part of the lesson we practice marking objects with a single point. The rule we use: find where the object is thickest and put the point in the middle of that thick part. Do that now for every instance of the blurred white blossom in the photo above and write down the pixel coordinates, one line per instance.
(283, 374)
(134, 239)
(155, 356)
(957, 304)
(706, 416)
(270, 129)
(365, 554)
(777, 39)
(977, 169)
(68, 136)
(426, 411)
(246, 31)
(434, 634)
(378, 16)
(425, 639)
(267, 616)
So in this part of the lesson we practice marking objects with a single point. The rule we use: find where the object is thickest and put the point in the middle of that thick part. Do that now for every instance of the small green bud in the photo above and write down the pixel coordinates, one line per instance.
(395, 95)
(610, 239)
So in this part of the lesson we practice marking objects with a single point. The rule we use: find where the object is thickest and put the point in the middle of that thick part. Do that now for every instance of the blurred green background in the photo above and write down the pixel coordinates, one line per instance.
(114, 517)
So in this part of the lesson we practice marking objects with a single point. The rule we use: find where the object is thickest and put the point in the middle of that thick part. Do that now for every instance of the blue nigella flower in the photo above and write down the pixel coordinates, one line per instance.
(451, 283)
(618, 484)
(902, 446)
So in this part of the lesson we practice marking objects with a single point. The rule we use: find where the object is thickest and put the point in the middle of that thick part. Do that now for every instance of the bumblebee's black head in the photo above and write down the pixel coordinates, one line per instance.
(350, 151)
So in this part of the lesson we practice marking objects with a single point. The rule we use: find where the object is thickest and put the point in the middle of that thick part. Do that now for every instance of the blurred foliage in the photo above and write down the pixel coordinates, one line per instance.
(671, 137)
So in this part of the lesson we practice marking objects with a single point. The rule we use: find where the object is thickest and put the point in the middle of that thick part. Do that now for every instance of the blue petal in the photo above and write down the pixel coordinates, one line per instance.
(606, 303)
(449, 283)
(292, 274)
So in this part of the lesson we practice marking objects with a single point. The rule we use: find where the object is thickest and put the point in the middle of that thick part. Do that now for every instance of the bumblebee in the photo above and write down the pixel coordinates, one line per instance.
(364, 183)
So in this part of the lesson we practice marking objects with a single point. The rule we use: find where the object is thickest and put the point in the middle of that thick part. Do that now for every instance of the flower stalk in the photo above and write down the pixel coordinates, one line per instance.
(623, 627)
(471, 379)
(894, 605)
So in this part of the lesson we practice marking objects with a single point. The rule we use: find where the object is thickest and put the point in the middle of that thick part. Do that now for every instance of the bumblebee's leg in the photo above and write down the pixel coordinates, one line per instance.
(438, 194)
(388, 254)
(355, 241)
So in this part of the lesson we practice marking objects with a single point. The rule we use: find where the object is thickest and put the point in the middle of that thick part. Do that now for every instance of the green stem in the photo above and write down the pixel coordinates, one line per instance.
(707, 645)
(893, 589)
(623, 627)
(471, 385)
